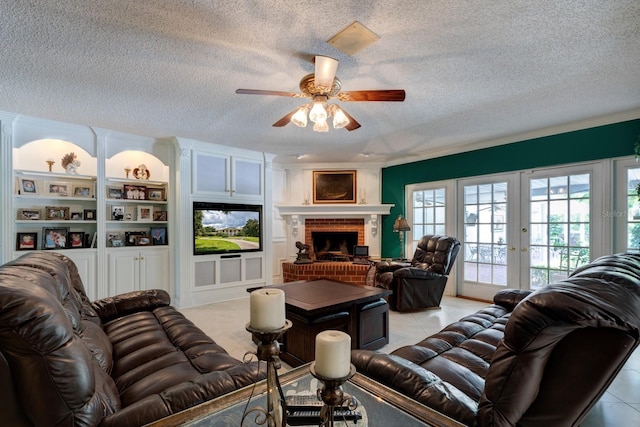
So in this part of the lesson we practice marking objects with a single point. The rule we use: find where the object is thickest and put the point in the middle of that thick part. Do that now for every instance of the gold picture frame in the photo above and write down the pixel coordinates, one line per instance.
(334, 186)
(56, 213)
(157, 194)
(57, 188)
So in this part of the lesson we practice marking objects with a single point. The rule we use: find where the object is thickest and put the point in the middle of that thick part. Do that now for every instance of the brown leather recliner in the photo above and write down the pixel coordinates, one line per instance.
(540, 358)
(420, 283)
(121, 361)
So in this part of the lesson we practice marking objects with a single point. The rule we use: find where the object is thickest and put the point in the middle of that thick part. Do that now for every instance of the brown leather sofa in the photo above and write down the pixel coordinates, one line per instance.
(420, 283)
(121, 361)
(539, 358)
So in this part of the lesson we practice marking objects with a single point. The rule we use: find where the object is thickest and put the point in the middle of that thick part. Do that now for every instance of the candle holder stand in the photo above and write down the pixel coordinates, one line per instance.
(268, 351)
(332, 395)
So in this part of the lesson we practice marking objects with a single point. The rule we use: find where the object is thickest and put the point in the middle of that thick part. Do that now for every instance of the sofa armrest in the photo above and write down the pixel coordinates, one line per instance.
(509, 298)
(415, 382)
(390, 266)
(132, 302)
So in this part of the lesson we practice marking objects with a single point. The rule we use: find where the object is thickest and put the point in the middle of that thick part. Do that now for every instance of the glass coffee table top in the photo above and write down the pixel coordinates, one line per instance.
(378, 405)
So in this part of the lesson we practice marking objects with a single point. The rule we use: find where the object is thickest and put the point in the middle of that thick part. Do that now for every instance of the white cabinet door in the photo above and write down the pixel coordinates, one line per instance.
(154, 269)
(124, 271)
(211, 174)
(247, 178)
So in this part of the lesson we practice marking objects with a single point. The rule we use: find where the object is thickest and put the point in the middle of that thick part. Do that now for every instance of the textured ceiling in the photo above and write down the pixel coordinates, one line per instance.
(473, 71)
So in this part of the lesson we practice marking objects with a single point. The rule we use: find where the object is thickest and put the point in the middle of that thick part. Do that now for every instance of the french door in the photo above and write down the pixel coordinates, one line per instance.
(527, 229)
(488, 223)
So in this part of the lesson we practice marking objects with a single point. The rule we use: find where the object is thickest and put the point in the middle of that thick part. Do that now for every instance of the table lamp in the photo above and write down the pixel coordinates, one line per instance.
(400, 226)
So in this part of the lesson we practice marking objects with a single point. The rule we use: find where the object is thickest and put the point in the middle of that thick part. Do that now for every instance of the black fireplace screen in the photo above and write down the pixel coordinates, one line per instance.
(334, 242)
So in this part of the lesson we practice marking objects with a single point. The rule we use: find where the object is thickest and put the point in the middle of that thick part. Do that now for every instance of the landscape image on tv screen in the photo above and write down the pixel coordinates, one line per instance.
(226, 228)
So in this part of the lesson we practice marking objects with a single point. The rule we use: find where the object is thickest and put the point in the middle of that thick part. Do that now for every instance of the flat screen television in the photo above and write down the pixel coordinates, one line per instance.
(226, 228)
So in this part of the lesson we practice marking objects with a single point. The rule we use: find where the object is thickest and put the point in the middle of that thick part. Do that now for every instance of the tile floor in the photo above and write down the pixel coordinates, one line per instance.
(225, 323)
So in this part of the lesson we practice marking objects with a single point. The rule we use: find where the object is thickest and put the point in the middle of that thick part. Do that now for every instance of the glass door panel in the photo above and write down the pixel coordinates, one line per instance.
(428, 215)
(485, 234)
(559, 226)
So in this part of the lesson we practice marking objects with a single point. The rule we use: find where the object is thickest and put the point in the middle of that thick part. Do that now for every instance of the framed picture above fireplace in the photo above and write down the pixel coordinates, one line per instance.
(334, 186)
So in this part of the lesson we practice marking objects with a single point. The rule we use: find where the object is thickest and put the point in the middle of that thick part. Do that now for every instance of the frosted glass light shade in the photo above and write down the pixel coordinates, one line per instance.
(321, 126)
(318, 113)
(300, 117)
(340, 120)
(325, 71)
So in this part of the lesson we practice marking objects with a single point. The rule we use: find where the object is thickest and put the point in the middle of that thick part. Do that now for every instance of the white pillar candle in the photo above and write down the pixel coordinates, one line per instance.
(333, 354)
(267, 311)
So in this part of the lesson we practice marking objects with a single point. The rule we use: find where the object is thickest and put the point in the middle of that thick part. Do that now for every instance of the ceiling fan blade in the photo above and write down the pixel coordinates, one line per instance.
(285, 120)
(353, 124)
(325, 71)
(372, 95)
(266, 92)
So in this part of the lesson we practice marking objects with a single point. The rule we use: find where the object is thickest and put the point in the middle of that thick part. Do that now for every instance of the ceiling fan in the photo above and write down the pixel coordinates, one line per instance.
(320, 87)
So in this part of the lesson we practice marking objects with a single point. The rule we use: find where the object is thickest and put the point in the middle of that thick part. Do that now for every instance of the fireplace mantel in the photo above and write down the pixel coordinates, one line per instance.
(334, 210)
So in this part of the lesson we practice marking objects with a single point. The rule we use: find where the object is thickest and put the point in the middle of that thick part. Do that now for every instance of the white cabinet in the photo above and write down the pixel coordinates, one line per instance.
(228, 176)
(138, 269)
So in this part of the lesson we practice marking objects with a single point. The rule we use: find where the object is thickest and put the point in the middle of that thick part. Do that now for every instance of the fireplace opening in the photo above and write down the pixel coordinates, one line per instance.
(334, 245)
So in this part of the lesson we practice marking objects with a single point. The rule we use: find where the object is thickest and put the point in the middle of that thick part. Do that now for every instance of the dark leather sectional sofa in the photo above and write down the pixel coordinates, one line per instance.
(121, 361)
(540, 358)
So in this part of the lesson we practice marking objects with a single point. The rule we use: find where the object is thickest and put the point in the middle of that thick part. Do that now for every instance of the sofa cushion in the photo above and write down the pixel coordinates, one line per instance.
(164, 363)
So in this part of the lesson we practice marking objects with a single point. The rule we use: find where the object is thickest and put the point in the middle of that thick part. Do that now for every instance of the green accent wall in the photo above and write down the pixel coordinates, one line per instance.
(608, 141)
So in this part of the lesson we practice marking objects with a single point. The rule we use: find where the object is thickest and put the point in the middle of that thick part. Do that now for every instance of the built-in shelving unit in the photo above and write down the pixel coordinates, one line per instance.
(73, 211)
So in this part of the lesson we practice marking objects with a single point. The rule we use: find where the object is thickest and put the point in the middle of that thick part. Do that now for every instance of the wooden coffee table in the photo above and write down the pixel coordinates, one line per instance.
(317, 305)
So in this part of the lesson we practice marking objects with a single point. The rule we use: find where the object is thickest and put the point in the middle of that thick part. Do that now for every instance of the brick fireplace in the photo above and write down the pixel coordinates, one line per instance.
(328, 226)
(303, 220)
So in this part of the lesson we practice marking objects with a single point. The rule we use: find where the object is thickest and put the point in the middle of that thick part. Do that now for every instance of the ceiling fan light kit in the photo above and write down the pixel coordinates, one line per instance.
(320, 87)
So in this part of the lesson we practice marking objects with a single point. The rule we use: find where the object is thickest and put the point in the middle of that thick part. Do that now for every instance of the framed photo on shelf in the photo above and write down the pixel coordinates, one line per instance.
(143, 240)
(76, 215)
(82, 191)
(89, 214)
(114, 192)
(145, 213)
(159, 215)
(26, 241)
(56, 213)
(53, 188)
(29, 214)
(28, 186)
(334, 186)
(156, 194)
(55, 237)
(114, 239)
(135, 192)
(77, 239)
(130, 237)
(117, 213)
(159, 235)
